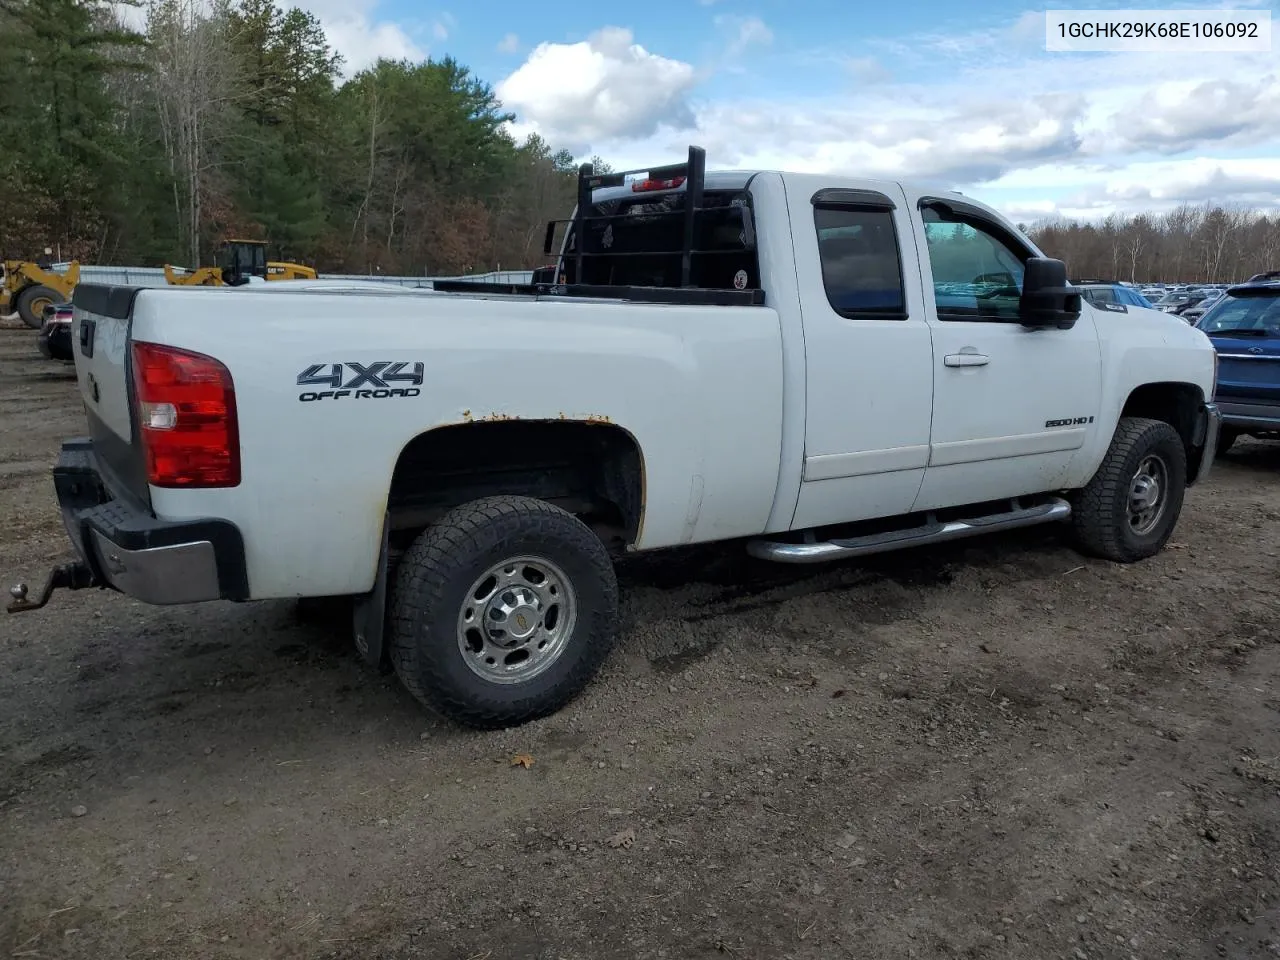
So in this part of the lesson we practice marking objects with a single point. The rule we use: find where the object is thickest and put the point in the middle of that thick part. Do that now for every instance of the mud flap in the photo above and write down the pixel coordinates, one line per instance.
(369, 614)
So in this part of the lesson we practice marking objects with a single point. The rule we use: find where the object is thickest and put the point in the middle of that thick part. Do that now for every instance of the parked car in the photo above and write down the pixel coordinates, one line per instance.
(1244, 327)
(1194, 311)
(54, 338)
(1100, 292)
(753, 358)
(1172, 300)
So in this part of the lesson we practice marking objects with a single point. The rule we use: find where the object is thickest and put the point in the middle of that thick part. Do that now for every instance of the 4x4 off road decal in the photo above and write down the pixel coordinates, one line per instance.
(359, 381)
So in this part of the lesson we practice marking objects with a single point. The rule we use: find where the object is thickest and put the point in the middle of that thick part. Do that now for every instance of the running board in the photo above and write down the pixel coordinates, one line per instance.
(933, 532)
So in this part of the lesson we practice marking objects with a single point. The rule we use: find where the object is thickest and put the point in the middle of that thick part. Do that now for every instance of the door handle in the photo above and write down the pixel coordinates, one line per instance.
(966, 359)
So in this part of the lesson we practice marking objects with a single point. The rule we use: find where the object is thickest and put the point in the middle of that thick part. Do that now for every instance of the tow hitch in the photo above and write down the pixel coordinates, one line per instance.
(70, 576)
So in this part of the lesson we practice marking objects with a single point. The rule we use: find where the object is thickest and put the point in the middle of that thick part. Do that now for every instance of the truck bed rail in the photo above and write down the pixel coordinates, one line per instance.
(683, 296)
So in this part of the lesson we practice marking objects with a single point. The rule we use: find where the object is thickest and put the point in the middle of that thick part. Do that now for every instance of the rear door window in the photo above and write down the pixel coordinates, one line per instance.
(861, 262)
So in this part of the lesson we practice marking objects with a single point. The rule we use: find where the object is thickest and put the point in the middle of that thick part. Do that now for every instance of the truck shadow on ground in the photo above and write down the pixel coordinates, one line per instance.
(1262, 455)
(176, 668)
(1019, 554)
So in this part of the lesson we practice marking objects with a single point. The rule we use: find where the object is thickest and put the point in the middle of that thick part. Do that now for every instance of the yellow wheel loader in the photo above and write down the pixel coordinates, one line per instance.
(238, 260)
(27, 287)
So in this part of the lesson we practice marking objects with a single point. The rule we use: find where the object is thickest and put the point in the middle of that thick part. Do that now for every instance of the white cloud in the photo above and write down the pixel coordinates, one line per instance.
(360, 31)
(351, 26)
(602, 89)
(509, 43)
(743, 33)
(867, 70)
(1155, 186)
(443, 25)
(1183, 114)
(986, 110)
(362, 42)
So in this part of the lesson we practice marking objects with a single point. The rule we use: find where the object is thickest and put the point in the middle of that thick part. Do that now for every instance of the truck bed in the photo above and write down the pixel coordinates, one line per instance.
(698, 388)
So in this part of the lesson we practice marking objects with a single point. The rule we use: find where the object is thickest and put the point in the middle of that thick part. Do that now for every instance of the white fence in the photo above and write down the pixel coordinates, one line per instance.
(154, 277)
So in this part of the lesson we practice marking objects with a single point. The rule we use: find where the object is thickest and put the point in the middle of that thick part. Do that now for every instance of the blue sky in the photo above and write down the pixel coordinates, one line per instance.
(897, 90)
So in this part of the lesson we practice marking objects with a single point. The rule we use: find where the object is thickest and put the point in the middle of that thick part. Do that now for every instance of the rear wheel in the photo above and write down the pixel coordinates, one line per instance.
(502, 611)
(32, 301)
(1130, 507)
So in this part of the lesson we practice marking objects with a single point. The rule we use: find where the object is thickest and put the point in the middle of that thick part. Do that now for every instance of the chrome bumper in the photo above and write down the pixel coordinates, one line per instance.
(178, 573)
(130, 550)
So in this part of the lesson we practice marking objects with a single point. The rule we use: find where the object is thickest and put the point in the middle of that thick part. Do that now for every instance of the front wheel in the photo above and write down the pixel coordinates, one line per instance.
(502, 611)
(1127, 512)
(32, 301)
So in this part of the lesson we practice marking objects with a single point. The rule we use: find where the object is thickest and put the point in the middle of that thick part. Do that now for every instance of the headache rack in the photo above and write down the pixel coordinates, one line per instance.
(663, 181)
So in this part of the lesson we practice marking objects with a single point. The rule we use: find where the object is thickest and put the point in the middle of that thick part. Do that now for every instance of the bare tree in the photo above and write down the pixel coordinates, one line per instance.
(1208, 244)
(192, 86)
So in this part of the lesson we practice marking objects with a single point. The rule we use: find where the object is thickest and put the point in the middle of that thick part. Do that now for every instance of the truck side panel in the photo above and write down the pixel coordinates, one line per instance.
(699, 388)
(1138, 348)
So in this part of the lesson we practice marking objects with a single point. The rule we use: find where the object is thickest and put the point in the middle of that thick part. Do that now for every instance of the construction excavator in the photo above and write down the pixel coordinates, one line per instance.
(237, 262)
(28, 286)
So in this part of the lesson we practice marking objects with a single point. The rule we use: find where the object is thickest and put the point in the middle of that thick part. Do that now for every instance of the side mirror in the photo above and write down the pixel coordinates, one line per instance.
(1048, 300)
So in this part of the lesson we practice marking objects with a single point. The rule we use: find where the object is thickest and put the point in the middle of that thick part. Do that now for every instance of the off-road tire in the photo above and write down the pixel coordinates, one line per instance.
(27, 296)
(429, 591)
(1100, 511)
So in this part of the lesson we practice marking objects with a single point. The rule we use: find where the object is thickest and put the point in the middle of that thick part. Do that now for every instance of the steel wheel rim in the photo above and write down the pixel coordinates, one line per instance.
(38, 304)
(1148, 494)
(516, 620)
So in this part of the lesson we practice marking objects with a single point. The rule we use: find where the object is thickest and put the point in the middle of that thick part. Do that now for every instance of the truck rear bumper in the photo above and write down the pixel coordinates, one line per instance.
(126, 548)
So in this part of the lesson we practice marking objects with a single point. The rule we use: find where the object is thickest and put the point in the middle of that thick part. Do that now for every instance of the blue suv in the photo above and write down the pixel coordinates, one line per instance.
(1102, 292)
(1244, 327)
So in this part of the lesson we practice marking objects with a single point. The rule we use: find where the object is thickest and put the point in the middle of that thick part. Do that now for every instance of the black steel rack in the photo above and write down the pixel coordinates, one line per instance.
(691, 175)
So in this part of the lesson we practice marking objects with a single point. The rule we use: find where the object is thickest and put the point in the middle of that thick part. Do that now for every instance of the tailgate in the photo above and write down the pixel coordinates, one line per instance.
(100, 343)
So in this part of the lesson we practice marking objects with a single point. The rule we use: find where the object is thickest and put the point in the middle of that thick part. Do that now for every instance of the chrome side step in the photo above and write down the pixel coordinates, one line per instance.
(933, 532)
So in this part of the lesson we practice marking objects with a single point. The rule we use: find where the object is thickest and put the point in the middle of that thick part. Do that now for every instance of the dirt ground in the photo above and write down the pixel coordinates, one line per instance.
(994, 750)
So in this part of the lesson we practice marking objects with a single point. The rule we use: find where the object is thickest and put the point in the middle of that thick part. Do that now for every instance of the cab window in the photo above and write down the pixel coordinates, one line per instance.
(976, 274)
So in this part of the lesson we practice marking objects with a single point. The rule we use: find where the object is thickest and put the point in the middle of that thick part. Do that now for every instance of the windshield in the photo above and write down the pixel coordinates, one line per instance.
(1246, 316)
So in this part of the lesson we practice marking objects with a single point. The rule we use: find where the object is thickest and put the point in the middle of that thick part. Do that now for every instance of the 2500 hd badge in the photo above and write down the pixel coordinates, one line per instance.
(371, 381)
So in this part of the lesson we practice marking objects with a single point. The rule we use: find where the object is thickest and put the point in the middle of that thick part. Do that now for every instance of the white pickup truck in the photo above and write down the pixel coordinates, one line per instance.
(815, 367)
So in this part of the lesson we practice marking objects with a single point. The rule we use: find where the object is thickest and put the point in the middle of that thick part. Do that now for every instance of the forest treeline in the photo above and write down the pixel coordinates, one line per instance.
(1204, 244)
(234, 118)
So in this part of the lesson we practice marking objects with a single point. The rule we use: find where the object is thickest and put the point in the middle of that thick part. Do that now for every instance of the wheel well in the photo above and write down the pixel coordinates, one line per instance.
(593, 470)
(1177, 404)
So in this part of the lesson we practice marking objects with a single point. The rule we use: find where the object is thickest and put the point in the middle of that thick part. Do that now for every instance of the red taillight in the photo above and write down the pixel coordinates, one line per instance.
(187, 417)
(643, 186)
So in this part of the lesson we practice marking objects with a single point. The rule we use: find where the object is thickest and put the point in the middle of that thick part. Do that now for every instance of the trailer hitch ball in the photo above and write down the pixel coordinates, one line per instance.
(67, 576)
